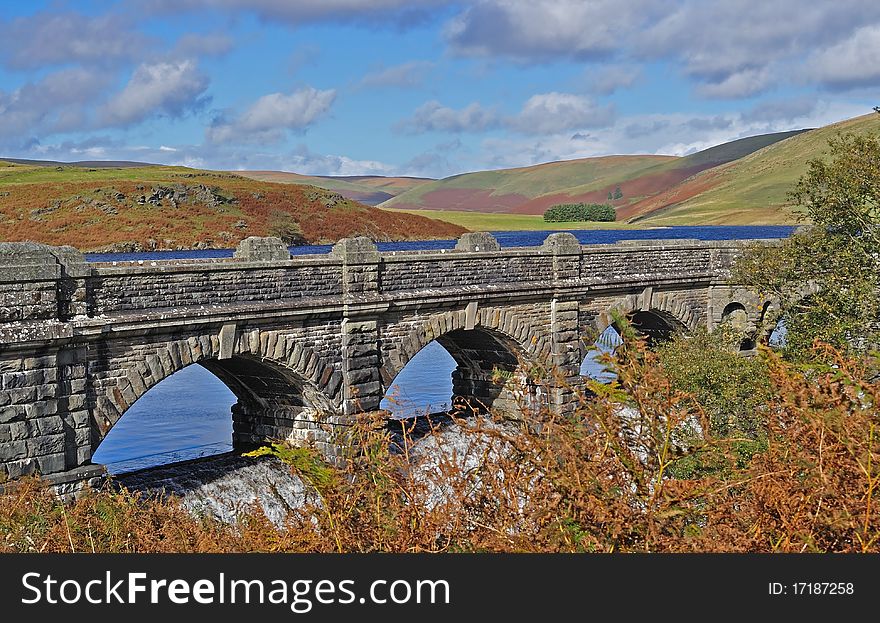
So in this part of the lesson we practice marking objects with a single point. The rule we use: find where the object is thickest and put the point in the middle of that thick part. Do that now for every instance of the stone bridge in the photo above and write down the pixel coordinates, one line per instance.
(306, 342)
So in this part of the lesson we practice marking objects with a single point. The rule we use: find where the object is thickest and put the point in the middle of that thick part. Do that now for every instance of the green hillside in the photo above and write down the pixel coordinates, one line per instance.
(751, 190)
(505, 189)
(531, 190)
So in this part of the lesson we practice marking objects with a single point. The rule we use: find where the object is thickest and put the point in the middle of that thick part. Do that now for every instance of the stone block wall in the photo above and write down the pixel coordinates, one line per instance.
(306, 342)
(124, 289)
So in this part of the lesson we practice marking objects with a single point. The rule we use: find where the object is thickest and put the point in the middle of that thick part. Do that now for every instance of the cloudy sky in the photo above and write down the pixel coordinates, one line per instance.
(422, 87)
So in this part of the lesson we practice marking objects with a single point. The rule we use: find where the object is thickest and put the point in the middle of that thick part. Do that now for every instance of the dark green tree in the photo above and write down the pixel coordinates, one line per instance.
(618, 194)
(825, 276)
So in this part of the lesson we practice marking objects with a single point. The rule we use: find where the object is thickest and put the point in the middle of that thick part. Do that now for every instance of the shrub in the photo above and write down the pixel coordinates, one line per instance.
(835, 260)
(611, 476)
(570, 212)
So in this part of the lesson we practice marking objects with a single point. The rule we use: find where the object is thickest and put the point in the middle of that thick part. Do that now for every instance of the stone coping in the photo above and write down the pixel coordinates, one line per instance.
(124, 267)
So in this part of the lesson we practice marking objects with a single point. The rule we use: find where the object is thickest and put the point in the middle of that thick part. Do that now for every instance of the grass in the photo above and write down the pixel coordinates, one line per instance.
(535, 188)
(537, 180)
(485, 221)
(14, 174)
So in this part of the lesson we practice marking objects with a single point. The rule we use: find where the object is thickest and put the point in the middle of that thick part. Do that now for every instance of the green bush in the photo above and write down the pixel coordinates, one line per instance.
(734, 390)
(567, 212)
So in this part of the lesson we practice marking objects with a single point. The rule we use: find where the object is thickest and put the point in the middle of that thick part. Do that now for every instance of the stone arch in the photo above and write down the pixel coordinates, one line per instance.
(670, 308)
(736, 316)
(496, 339)
(280, 383)
(772, 313)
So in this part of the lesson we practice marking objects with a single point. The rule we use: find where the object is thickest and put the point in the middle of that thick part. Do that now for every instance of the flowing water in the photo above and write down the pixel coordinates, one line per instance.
(187, 415)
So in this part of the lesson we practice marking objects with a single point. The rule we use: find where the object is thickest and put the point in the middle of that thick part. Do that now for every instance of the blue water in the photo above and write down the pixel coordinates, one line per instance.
(188, 414)
(505, 238)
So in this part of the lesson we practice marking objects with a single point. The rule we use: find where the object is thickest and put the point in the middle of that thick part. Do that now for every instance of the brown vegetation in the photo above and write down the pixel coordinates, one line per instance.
(219, 211)
(652, 479)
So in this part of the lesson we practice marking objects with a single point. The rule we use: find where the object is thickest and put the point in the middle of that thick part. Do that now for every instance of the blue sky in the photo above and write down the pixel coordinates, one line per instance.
(422, 87)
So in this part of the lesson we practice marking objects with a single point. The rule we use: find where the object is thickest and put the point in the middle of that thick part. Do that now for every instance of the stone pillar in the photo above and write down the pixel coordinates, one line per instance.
(566, 251)
(477, 241)
(362, 388)
(72, 290)
(256, 249)
(44, 421)
(39, 282)
(565, 347)
(565, 354)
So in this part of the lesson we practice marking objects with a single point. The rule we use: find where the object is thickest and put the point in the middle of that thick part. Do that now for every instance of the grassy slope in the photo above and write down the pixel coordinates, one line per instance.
(531, 190)
(751, 190)
(364, 188)
(95, 208)
(501, 190)
(483, 221)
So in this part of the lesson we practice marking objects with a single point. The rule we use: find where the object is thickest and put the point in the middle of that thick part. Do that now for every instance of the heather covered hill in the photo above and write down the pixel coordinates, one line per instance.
(531, 190)
(368, 189)
(751, 190)
(158, 207)
(505, 190)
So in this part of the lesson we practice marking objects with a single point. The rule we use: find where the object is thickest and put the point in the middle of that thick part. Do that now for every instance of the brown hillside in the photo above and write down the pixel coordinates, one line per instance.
(176, 209)
(642, 186)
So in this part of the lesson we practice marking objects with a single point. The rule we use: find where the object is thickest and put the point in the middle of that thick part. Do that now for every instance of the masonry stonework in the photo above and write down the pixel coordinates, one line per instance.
(306, 343)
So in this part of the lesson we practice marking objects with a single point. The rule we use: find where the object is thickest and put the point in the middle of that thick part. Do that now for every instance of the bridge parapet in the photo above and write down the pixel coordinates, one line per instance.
(41, 283)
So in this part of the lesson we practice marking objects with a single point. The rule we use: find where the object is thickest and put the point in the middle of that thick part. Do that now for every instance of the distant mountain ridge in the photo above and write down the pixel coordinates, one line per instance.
(368, 189)
(104, 164)
(744, 181)
(531, 190)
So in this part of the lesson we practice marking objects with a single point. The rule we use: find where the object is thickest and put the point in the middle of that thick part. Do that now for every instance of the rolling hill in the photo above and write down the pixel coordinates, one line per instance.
(531, 190)
(158, 207)
(368, 189)
(750, 190)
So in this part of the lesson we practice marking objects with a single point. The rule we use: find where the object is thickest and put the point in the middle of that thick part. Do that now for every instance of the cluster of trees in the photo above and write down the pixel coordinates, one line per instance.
(569, 212)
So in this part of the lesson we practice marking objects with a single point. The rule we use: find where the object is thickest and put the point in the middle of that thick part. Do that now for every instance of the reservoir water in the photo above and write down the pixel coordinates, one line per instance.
(188, 416)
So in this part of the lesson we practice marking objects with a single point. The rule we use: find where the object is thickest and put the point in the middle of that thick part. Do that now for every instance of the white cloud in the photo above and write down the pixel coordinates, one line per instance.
(730, 49)
(59, 102)
(302, 160)
(737, 85)
(542, 30)
(851, 63)
(434, 117)
(60, 38)
(268, 119)
(195, 45)
(609, 78)
(303, 11)
(550, 113)
(170, 88)
(410, 74)
(544, 113)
